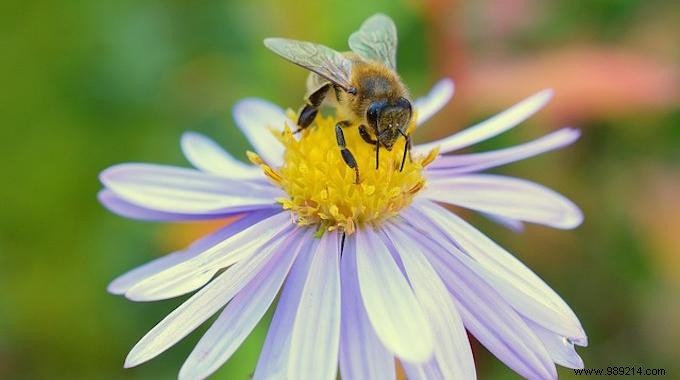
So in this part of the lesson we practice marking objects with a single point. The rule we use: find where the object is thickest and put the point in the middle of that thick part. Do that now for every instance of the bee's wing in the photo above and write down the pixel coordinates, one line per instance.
(376, 40)
(314, 57)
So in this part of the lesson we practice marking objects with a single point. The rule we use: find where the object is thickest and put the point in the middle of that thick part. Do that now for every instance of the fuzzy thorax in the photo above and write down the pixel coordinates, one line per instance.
(320, 186)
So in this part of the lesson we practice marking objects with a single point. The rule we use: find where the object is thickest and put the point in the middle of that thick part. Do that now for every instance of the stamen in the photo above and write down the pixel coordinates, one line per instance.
(320, 186)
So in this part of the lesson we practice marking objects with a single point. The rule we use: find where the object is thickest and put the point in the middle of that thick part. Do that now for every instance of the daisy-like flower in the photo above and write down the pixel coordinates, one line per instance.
(367, 273)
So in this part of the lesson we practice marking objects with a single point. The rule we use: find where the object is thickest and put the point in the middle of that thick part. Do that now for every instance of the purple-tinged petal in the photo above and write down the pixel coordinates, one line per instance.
(202, 305)
(560, 348)
(485, 313)
(316, 332)
(475, 162)
(194, 273)
(508, 197)
(208, 156)
(124, 282)
(180, 190)
(257, 118)
(392, 308)
(451, 346)
(498, 327)
(362, 355)
(518, 285)
(273, 360)
(491, 127)
(126, 209)
(241, 315)
(426, 371)
(440, 94)
(509, 223)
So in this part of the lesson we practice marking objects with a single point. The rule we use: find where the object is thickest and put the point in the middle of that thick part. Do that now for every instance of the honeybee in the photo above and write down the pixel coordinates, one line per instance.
(362, 84)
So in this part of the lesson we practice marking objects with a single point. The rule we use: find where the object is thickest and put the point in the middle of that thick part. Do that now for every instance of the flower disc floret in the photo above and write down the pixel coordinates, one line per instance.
(321, 187)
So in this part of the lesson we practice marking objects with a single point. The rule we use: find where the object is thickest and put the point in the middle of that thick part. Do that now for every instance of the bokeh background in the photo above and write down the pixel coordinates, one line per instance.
(87, 84)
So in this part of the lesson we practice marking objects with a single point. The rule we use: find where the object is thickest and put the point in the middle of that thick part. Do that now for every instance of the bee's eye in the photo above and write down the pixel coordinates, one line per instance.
(373, 112)
(405, 104)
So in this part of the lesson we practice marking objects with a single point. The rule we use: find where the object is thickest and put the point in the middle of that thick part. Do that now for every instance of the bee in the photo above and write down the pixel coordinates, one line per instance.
(362, 84)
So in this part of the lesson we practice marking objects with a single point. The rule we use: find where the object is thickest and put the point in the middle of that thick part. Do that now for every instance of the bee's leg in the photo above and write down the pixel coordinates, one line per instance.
(407, 151)
(339, 90)
(367, 137)
(346, 154)
(363, 132)
(308, 113)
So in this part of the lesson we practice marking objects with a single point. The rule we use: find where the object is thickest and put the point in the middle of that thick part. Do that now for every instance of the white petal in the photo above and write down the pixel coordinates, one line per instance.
(199, 307)
(518, 285)
(362, 355)
(392, 308)
(194, 273)
(508, 197)
(316, 332)
(440, 94)
(560, 348)
(491, 127)
(241, 314)
(273, 360)
(207, 155)
(451, 346)
(179, 190)
(124, 282)
(256, 118)
(468, 163)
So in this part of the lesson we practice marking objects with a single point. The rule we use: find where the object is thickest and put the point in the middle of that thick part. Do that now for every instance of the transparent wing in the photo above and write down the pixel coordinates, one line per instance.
(318, 58)
(376, 40)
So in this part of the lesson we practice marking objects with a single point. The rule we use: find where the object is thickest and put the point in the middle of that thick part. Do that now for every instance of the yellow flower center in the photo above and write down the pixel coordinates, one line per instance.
(321, 187)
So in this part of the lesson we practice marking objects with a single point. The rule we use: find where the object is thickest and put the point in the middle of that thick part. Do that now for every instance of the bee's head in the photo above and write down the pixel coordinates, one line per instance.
(389, 119)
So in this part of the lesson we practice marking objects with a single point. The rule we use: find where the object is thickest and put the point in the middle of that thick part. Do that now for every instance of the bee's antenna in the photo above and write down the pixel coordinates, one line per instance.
(377, 152)
(407, 147)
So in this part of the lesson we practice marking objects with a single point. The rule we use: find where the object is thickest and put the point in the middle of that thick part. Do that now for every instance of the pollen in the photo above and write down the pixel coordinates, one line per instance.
(321, 188)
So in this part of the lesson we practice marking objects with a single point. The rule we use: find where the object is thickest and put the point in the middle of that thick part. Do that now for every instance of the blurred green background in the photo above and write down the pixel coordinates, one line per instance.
(87, 84)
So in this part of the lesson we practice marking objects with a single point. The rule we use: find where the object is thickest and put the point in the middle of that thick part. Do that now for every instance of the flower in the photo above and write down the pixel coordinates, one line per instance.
(368, 272)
